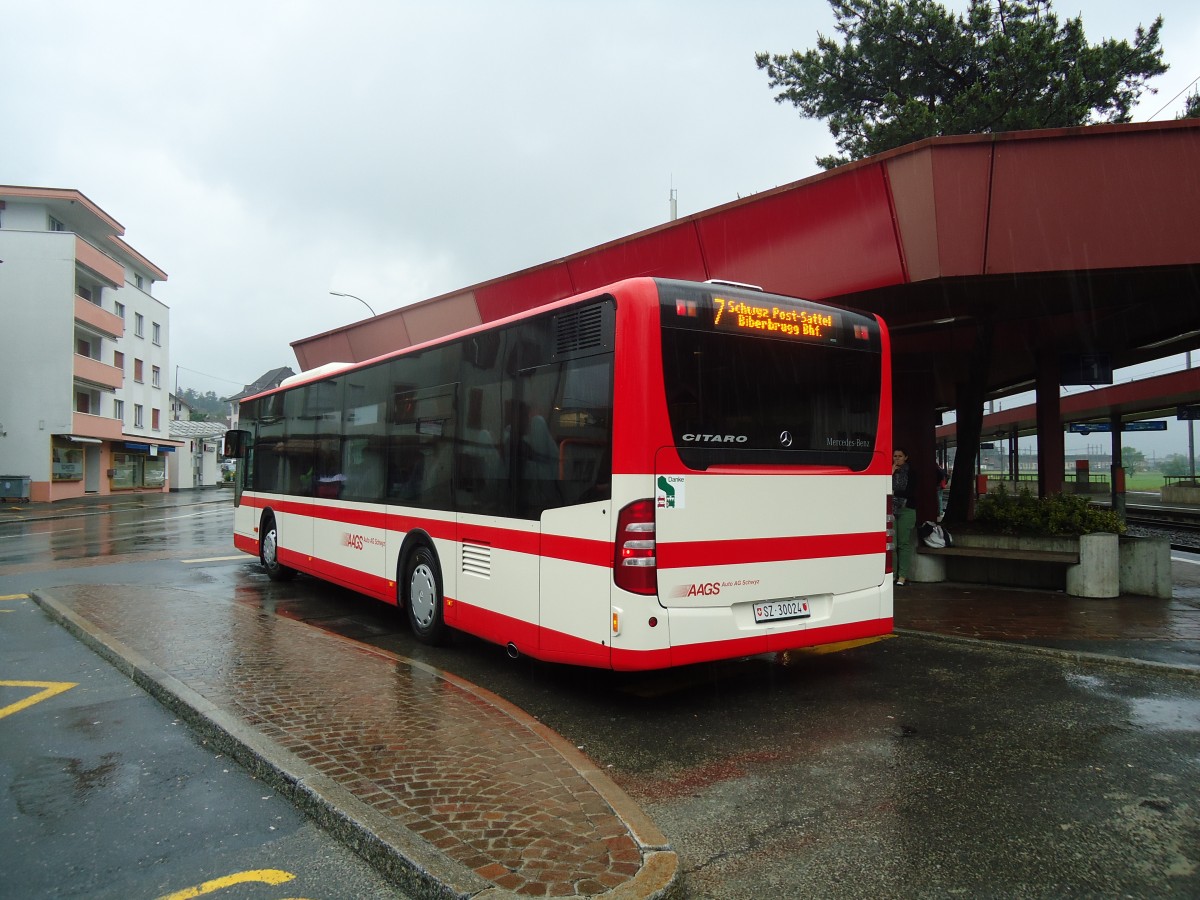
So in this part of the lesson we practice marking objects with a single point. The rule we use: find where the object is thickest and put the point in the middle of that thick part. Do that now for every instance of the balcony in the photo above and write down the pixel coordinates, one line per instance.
(99, 320)
(85, 425)
(98, 374)
(103, 266)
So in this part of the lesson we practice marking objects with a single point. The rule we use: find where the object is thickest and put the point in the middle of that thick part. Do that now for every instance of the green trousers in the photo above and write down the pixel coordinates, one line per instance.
(906, 538)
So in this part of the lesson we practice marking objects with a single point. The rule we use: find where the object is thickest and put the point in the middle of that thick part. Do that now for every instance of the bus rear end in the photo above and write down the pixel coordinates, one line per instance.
(752, 480)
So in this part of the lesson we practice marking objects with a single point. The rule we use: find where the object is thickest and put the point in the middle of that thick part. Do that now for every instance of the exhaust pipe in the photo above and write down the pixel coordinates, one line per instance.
(513, 652)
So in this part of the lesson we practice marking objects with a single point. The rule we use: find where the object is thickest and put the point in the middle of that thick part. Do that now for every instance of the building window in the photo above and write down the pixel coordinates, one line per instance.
(157, 333)
(155, 373)
(56, 225)
(119, 309)
(83, 403)
(137, 415)
(139, 325)
(137, 280)
(137, 370)
(119, 360)
(119, 410)
(154, 419)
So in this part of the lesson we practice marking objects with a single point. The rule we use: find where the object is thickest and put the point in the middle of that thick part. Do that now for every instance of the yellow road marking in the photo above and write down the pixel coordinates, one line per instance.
(49, 689)
(15, 597)
(216, 559)
(262, 876)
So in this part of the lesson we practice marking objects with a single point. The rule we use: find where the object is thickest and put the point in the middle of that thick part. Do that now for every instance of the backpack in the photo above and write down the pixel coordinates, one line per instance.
(934, 535)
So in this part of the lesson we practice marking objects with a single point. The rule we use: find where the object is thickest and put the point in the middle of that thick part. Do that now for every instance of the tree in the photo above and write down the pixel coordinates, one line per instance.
(1175, 464)
(1191, 107)
(910, 69)
(205, 407)
(1133, 459)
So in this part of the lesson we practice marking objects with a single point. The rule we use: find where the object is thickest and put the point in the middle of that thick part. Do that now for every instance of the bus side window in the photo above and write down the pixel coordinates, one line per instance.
(363, 467)
(585, 429)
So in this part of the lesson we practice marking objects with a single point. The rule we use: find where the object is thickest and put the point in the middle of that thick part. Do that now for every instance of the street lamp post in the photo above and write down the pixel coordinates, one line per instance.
(359, 299)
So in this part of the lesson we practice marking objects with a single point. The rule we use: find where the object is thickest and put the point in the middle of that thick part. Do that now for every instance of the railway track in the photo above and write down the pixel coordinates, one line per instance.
(1180, 524)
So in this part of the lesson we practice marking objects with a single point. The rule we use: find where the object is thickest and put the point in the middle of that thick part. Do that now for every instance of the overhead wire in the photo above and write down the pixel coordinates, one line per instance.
(1186, 87)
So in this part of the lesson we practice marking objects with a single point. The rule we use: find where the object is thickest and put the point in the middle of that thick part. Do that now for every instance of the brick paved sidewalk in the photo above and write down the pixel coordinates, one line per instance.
(481, 796)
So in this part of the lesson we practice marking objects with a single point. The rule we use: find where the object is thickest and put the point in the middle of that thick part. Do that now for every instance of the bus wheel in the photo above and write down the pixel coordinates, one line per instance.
(423, 584)
(268, 552)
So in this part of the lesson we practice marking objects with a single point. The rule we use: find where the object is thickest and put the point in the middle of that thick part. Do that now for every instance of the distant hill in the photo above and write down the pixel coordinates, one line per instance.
(205, 407)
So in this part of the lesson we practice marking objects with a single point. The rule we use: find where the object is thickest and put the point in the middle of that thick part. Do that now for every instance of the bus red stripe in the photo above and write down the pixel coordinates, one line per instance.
(677, 555)
(681, 555)
(582, 550)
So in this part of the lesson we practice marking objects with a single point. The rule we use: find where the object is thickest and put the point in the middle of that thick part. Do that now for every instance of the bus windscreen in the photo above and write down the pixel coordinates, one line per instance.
(754, 379)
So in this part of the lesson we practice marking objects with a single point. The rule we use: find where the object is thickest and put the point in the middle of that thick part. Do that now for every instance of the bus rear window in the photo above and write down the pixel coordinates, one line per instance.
(738, 399)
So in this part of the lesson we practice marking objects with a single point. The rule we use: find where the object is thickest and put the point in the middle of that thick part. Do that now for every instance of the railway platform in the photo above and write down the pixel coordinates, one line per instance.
(453, 792)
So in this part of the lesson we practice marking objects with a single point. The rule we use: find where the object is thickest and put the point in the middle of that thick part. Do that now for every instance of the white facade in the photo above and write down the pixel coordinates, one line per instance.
(86, 405)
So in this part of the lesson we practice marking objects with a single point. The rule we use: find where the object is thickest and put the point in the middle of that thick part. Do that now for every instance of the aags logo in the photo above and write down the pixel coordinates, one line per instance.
(708, 589)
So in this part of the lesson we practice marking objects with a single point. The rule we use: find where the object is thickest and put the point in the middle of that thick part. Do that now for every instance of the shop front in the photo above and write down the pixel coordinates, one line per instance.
(136, 466)
(84, 466)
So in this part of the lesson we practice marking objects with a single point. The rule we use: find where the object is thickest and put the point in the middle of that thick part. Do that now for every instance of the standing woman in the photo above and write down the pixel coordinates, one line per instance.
(904, 510)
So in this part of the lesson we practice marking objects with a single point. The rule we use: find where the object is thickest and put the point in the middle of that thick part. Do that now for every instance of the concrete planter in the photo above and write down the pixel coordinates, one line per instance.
(1146, 567)
(1107, 565)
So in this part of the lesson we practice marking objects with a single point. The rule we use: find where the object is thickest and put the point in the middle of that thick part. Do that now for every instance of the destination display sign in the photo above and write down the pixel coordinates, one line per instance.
(757, 314)
(1106, 427)
(1188, 411)
(776, 319)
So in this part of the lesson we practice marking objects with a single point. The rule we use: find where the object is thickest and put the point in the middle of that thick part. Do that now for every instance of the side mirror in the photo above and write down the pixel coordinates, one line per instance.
(237, 444)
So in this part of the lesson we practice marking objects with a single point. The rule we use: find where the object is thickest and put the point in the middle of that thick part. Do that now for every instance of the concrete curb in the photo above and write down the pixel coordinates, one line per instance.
(1079, 656)
(404, 858)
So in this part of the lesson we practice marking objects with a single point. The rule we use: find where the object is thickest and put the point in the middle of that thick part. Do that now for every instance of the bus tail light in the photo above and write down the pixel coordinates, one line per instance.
(634, 562)
(890, 556)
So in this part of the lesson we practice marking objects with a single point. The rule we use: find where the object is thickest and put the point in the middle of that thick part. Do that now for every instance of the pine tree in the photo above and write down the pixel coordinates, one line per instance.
(904, 70)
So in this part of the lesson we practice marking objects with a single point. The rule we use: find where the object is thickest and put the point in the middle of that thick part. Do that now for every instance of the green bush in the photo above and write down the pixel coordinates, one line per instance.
(1058, 514)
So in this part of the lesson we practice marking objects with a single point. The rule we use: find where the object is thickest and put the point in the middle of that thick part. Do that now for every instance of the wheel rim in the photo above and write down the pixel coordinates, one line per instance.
(270, 549)
(422, 595)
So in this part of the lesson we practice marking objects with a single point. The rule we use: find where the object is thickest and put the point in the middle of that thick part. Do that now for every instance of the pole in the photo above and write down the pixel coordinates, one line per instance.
(1191, 435)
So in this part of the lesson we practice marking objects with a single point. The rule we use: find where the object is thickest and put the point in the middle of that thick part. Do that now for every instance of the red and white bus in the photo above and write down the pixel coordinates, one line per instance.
(647, 475)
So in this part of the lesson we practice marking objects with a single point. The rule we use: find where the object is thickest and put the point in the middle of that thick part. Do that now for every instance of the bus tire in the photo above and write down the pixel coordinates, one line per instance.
(423, 595)
(268, 551)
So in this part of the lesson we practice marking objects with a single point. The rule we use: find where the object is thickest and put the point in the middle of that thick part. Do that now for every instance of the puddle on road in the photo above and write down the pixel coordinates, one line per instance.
(1173, 714)
(1160, 713)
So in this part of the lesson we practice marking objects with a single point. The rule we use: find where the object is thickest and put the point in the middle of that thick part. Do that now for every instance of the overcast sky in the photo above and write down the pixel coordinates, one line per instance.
(265, 154)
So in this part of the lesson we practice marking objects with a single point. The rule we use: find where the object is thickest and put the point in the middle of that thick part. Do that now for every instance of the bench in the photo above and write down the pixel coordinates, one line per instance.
(1093, 565)
(1044, 556)
(1087, 569)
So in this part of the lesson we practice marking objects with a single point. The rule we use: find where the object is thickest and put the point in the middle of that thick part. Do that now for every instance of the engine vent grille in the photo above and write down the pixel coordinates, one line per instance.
(477, 560)
(583, 330)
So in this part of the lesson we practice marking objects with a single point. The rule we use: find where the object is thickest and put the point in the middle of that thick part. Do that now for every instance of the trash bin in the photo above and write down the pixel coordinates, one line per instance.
(14, 487)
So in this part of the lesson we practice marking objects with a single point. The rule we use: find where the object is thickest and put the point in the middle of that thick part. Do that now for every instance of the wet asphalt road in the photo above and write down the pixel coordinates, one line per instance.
(906, 767)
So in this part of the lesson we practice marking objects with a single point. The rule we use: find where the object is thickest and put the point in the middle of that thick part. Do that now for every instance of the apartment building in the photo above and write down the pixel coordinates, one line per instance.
(86, 398)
